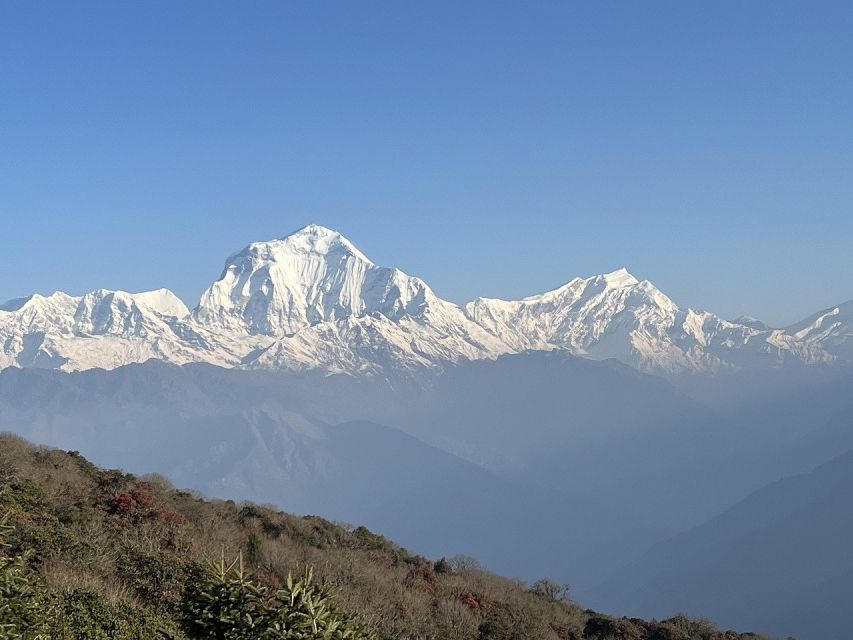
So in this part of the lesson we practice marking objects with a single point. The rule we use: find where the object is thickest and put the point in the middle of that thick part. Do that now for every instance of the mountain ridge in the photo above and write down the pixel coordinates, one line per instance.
(773, 559)
(313, 301)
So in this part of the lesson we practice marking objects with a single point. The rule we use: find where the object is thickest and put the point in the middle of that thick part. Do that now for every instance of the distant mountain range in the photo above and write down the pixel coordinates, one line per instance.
(778, 560)
(313, 301)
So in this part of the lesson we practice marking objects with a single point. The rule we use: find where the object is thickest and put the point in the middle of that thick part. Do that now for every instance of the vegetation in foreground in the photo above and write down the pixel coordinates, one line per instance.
(100, 554)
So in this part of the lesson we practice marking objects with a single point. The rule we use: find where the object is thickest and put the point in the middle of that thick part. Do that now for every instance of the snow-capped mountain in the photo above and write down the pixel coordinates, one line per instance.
(104, 329)
(617, 316)
(313, 301)
(830, 330)
(316, 275)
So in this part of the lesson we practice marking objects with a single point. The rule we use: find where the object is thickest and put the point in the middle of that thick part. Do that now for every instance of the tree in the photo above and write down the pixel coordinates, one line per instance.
(464, 564)
(552, 590)
(442, 567)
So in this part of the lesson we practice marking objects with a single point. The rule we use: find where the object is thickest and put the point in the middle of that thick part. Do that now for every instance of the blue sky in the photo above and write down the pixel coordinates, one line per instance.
(491, 148)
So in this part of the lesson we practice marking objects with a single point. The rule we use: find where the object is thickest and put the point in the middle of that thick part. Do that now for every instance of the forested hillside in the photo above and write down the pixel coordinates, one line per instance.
(100, 554)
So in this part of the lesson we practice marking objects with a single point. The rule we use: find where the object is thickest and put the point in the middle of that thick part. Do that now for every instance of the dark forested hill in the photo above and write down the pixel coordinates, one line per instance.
(95, 554)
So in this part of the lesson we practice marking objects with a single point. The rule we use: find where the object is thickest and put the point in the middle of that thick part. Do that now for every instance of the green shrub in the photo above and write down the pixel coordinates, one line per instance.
(24, 495)
(229, 605)
(157, 578)
(83, 614)
(24, 609)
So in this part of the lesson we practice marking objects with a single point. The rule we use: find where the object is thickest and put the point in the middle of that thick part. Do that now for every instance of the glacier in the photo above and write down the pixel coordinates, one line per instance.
(312, 301)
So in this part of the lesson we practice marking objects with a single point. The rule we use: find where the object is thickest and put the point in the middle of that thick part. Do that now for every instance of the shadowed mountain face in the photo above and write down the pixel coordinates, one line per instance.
(599, 430)
(778, 561)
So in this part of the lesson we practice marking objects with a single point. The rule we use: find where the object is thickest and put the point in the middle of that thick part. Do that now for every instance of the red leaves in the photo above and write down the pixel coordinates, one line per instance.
(470, 600)
(167, 516)
(475, 602)
(137, 504)
(123, 504)
(130, 503)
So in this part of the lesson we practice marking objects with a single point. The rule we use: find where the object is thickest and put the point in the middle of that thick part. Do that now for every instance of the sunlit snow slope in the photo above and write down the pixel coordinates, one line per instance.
(313, 301)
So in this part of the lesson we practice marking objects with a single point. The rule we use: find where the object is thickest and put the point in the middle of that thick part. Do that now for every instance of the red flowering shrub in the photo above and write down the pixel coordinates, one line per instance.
(136, 502)
(168, 517)
(470, 600)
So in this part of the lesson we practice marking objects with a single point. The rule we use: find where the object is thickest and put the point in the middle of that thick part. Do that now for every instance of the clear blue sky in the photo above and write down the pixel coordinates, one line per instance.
(491, 148)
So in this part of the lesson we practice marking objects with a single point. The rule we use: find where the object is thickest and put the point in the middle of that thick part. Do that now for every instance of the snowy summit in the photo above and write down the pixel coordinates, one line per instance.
(312, 300)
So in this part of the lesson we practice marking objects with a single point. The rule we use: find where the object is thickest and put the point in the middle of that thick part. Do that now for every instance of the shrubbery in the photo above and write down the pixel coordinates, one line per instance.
(89, 554)
(223, 603)
(84, 614)
(227, 604)
(24, 608)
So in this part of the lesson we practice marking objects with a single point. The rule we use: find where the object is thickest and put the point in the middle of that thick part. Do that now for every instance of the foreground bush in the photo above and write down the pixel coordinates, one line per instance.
(229, 605)
(24, 609)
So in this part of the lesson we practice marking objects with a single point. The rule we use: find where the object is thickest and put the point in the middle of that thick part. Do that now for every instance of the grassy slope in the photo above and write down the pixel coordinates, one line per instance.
(112, 545)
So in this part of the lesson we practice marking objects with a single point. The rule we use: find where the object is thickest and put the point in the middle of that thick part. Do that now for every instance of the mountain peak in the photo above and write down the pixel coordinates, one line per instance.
(314, 275)
(319, 240)
(313, 229)
(619, 278)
